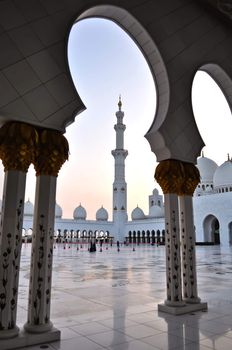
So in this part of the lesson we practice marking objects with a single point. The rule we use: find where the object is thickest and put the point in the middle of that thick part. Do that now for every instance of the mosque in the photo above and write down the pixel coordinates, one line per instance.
(141, 228)
(211, 205)
(38, 100)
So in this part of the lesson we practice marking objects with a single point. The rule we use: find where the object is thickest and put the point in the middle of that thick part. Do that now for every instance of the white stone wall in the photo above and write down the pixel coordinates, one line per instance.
(144, 225)
(218, 205)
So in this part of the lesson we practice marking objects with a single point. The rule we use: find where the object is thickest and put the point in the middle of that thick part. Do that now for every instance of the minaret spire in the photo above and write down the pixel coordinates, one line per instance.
(119, 185)
(120, 103)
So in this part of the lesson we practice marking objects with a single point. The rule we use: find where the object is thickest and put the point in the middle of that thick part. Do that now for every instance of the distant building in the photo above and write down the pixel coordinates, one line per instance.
(212, 204)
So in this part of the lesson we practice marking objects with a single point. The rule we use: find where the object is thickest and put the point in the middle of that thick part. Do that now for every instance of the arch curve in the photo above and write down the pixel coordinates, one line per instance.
(221, 78)
(151, 53)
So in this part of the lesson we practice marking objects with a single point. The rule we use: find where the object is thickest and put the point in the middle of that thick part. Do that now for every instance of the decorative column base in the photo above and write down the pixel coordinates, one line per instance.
(181, 310)
(28, 339)
(174, 303)
(192, 300)
(31, 328)
(9, 333)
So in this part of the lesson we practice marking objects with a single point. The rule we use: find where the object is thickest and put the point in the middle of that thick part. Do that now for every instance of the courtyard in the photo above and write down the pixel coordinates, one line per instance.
(108, 300)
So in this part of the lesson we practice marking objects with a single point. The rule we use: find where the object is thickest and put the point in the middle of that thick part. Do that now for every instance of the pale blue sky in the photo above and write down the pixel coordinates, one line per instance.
(104, 63)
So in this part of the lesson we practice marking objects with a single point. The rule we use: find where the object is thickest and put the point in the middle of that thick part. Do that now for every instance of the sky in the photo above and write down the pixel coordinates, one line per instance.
(105, 62)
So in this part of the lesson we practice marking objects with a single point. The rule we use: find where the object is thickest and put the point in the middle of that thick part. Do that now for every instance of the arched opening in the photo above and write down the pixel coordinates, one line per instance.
(107, 237)
(212, 102)
(98, 88)
(134, 236)
(78, 234)
(230, 233)
(212, 105)
(23, 235)
(130, 236)
(163, 237)
(153, 237)
(211, 228)
(84, 235)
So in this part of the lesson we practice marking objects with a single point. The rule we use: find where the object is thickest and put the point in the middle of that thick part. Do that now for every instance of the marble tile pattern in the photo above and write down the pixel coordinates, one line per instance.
(108, 300)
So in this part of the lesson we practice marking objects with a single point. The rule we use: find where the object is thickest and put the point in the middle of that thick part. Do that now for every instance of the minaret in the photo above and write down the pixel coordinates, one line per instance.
(119, 185)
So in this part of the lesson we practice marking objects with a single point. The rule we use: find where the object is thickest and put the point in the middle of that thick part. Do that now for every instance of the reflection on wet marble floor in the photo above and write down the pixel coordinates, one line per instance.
(108, 300)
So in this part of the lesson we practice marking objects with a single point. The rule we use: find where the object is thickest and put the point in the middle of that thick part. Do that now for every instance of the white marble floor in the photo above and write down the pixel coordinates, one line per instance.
(108, 300)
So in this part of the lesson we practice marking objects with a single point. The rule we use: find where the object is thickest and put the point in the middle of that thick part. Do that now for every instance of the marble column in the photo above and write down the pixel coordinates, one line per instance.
(191, 180)
(179, 180)
(169, 174)
(17, 144)
(188, 250)
(52, 151)
(173, 257)
(41, 257)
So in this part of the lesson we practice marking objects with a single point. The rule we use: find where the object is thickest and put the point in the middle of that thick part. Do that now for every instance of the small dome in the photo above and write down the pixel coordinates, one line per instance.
(102, 214)
(207, 168)
(79, 213)
(208, 189)
(156, 212)
(155, 192)
(137, 214)
(58, 212)
(223, 175)
(28, 208)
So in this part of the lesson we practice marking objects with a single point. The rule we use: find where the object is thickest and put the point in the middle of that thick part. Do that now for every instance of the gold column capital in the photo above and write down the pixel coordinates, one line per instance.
(51, 152)
(169, 175)
(175, 176)
(190, 181)
(17, 145)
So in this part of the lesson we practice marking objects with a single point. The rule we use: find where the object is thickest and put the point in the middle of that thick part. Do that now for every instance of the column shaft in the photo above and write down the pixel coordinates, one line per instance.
(173, 261)
(188, 249)
(42, 254)
(10, 249)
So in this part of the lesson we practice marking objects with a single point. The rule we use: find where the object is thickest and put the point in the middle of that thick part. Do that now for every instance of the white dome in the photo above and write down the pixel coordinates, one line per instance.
(102, 214)
(79, 213)
(223, 175)
(137, 214)
(28, 208)
(208, 189)
(207, 168)
(155, 192)
(156, 212)
(58, 212)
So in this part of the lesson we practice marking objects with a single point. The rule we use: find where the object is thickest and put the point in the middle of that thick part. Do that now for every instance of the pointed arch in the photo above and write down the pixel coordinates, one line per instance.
(211, 227)
(222, 79)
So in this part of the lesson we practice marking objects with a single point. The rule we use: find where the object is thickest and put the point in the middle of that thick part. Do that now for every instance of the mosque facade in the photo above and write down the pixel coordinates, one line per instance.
(212, 202)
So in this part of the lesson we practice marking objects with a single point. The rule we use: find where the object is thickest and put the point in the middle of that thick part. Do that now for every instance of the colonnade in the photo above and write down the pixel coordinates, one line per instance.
(178, 181)
(20, 145)
(146, 237)
(82, 237)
